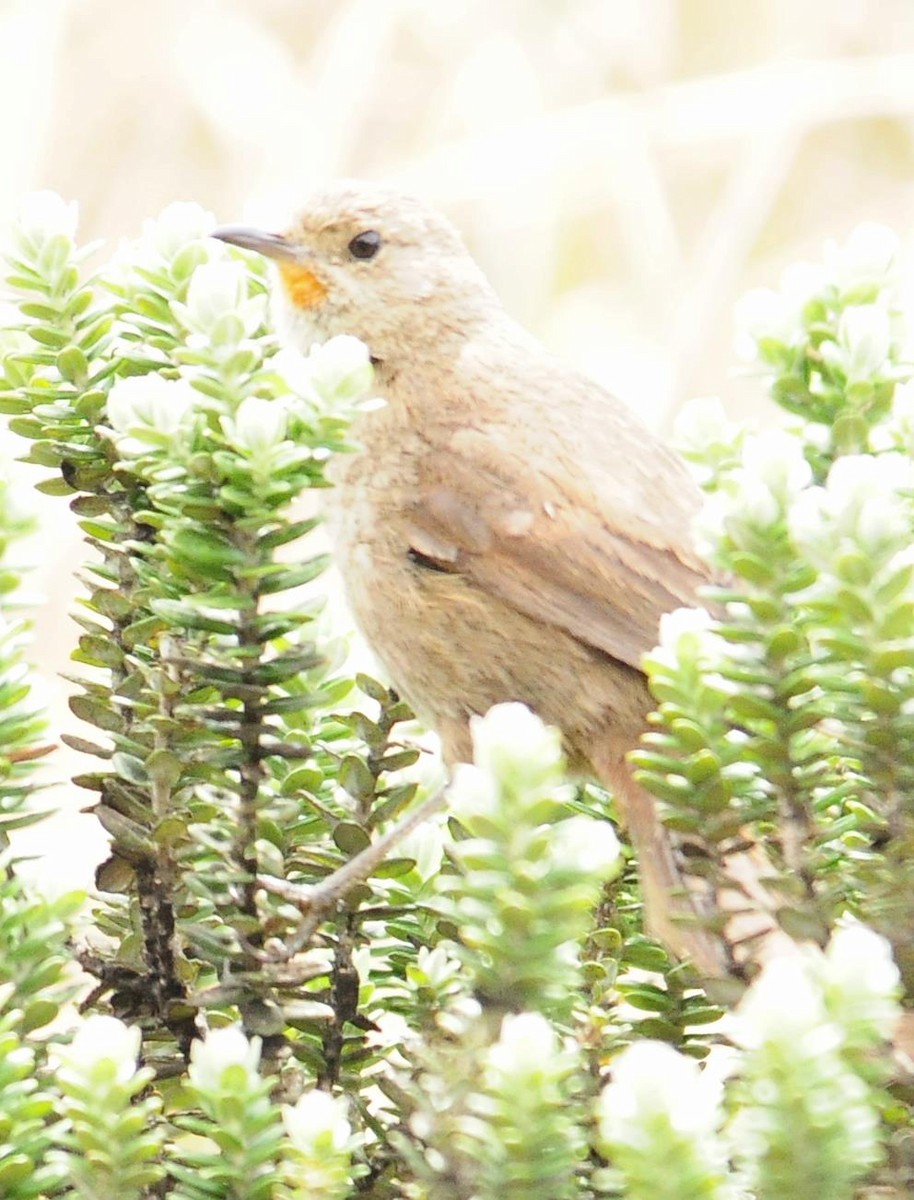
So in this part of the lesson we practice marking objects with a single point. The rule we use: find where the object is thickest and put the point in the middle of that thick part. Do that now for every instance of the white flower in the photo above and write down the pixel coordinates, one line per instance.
(151, 401)
(101, 1039)
(752, 503)
(763, 314)
(438, 967)
(862, 982)
(865, 336)
(776, 459)
(472, 792)
(682, 622)
(391, 1033)
(527, 1046)
(258, 426)
(808, 523)
(785, 1004)
(754, 496)
(864, 343)
(860, 503)
(45, 215)
(802, 282)
(176, 227)
(215, 289)
(513, 744)
(856, 475)
(217, 302)
(585, 845)
(897, 433)
(340, 369)
(148, 411)
(710, 524)
(701, 423)
(651, 1079)
(689, 633)
(223, 1048)
(865, 259)
(364, 959)
(292, 365)
(426, 845)
(317, 1124)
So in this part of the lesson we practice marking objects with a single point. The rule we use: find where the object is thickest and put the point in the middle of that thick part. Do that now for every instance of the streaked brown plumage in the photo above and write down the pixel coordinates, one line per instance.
(510, 531)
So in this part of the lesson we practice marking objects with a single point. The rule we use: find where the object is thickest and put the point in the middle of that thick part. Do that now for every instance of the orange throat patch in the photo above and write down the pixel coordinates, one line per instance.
(305, 290)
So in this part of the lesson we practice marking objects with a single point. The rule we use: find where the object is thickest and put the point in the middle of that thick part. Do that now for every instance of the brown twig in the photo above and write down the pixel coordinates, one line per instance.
(314, 901)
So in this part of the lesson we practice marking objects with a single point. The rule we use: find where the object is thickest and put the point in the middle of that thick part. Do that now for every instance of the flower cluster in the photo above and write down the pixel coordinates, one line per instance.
(529, 870)
(855, 274)
(788, 719)
(832, 339)
(750, 503)
(321, 1143)
(807, 1121)
(863, 510)
(809, 1118)
(659, 1123)
(112, 1137)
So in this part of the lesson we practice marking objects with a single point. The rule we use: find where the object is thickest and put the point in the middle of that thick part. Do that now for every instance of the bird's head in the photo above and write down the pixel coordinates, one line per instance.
(368, 261)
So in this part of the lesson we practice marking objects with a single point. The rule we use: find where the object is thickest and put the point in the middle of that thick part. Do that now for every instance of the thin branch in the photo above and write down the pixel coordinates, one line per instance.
(315, 901)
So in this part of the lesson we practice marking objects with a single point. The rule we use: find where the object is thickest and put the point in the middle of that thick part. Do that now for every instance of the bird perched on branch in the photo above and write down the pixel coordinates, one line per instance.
(510, 530)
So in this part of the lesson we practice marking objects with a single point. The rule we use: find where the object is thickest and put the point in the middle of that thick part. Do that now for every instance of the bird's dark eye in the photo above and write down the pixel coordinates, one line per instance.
(365, 245)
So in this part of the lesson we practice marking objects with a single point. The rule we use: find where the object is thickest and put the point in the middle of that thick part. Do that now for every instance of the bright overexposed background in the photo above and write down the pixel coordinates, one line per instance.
(622, 169)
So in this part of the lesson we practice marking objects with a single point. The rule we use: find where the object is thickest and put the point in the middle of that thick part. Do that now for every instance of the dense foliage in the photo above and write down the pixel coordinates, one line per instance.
(338, 978)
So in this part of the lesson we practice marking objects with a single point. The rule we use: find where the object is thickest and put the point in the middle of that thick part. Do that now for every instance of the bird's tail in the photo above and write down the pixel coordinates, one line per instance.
(720, 929)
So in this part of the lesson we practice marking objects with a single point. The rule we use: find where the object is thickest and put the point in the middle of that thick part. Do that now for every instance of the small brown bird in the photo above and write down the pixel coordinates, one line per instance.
(510, 531)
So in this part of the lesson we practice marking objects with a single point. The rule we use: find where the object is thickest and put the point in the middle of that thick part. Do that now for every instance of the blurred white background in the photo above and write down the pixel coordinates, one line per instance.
(622, 169)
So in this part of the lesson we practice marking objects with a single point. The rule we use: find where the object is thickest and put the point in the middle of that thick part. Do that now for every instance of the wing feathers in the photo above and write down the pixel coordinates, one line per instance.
(554, 557)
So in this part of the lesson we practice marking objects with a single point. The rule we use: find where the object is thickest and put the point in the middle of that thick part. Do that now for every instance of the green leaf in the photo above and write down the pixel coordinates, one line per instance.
(702, 766)
(350, 838)
(208, 553)
(355, 778)
(372, 688)
(73, 364)
(163, 767)
(644, 954)
(285, 666)
(295, 702)
(647, 997)
(302, 779)
(97, 712)
(177, 613)
(100, 651)
(129, 768)
(54, 487)
(890, 658)
(393, 868)
(27, 427)
(294, 577)
(46, 336)
(702, 1014)
(82, 746)
(399, 760)
(44, 453)
(38, 1013)
(143, 631)
(285, 534)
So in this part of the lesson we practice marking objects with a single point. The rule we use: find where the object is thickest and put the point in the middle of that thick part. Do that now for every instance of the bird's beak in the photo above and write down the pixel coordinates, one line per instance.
(295, 262)
(271, 245)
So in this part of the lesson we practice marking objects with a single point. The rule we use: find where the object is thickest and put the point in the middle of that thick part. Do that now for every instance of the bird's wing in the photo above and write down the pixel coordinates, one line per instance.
(546, 544)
